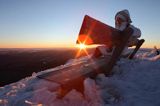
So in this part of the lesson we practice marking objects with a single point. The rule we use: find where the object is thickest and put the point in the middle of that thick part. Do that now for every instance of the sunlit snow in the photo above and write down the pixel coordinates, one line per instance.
(133, 83)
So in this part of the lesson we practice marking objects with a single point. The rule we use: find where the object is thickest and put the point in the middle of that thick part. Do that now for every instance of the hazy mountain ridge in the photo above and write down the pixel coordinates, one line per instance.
(16, 64)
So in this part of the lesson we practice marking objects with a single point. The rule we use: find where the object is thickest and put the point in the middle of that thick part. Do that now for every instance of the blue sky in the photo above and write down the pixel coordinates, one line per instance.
(56, 23)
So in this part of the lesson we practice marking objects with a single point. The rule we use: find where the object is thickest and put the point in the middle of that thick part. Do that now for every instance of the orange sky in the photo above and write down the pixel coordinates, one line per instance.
(61, 45)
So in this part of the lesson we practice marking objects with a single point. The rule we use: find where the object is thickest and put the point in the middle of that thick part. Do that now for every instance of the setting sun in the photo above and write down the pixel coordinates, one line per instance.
(81, 46)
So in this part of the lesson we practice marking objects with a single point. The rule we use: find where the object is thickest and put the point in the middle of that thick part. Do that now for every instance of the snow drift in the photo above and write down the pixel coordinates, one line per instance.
(133, 83)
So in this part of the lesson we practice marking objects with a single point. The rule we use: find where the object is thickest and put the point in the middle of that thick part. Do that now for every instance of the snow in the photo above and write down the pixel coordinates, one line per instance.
(133, 83)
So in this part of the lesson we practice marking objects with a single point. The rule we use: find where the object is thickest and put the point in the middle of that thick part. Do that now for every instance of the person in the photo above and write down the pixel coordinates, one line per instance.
(122, 21)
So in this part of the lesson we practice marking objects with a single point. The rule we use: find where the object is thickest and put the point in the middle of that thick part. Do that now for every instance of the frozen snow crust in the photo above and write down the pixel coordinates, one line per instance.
(133, 83)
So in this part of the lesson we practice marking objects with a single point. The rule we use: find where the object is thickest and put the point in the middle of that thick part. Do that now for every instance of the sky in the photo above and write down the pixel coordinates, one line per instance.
(56, 23)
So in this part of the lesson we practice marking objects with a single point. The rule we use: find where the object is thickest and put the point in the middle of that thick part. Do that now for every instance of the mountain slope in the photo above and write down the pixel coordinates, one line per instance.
(134, 82)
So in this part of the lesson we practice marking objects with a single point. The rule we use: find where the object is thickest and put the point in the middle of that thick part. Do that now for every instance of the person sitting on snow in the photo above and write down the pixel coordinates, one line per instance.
(122, 21)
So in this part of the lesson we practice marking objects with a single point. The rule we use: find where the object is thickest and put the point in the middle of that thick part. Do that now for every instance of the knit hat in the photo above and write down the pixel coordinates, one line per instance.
(124, 14)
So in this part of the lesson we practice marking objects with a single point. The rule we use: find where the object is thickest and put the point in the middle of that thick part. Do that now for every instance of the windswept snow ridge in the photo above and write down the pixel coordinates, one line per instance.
(134, 83)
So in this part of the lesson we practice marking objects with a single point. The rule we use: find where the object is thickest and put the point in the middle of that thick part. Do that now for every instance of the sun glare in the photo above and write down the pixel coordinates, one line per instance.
(82, 46)
(82, 49)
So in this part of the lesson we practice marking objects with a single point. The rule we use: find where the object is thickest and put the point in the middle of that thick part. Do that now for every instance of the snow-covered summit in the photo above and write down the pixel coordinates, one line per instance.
(134, 83)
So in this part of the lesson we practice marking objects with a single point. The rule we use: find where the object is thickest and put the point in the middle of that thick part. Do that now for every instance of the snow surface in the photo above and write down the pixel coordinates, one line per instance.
(133, 83)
